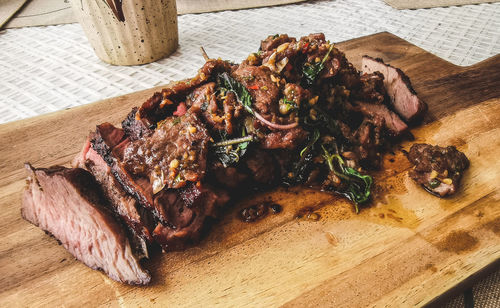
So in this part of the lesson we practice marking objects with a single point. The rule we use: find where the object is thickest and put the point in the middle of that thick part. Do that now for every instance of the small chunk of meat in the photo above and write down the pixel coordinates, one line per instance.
(189, 209)
(393, 123)
(293, 96)
(264, 92)
(284, 139)
(261, 166)
(273, 41)
(404, 99)
(68, 204)
(371, 88)
(174, 154)
(203, 100)
(437, 169)
(136, 129)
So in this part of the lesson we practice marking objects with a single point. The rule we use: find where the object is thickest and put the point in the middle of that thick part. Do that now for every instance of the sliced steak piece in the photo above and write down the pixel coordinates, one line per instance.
(262, 166)
(264, 92)
(67, 203)
(174, 154)
(284, 139)
(404, 99)
(110, 143)
(393, 123)
(219, 114)
(437, 169)
(188, 210)
(142, 121)
(122, 204)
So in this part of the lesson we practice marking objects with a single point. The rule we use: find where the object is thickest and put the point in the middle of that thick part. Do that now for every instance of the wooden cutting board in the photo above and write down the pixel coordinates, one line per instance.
(407, 249)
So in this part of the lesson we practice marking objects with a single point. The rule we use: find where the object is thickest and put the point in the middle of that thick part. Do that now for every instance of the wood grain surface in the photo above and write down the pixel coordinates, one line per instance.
(407, 248)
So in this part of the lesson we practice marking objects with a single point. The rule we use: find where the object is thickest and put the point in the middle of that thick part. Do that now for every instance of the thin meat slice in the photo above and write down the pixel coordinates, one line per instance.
(216, 115)
(403, 97)
(143, 120)
(437, 169)
(188, 211)
(110, 143)
(284, 139)
(257, 80)
(392, 121)
(174, 154)
(67, 203)
(122, 204)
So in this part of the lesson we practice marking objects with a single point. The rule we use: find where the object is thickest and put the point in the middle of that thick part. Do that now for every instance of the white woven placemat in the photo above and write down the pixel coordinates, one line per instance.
(44, 69)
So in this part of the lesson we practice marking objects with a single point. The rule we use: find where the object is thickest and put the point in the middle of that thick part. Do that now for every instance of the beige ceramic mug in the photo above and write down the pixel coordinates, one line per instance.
(129, 32)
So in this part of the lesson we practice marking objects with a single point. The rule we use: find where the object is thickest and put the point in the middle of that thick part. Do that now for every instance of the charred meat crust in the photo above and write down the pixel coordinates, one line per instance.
(163, 104)
(403, 98)
(122, 204)
(109, 142)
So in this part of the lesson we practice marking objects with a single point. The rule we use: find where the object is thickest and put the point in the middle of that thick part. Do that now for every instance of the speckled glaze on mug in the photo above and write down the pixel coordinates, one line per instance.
(147, 33)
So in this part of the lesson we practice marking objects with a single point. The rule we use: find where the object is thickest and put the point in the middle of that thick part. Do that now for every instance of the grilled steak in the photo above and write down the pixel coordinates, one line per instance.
(122, 203)
(257, 79)
(295, 112)
(403, 97)
(392, 121)
(68, 204)
(173, 154)
(187, 213)
(142, 121)
(160, 171)
(437, 169)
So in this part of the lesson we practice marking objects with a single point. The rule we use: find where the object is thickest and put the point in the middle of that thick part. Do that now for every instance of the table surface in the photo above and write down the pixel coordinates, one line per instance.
(45, 69)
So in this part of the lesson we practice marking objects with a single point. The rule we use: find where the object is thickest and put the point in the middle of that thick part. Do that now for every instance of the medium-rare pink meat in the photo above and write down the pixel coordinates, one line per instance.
(403, 97)
(392, 122)
(122, 203)
(68, 204)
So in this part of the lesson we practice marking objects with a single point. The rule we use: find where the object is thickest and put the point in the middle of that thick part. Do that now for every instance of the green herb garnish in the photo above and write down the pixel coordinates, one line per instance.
(311, 71)
(311, 142)
(176, 121)
(434, 183)
(356, 186)
(228, 83)
(230, 151)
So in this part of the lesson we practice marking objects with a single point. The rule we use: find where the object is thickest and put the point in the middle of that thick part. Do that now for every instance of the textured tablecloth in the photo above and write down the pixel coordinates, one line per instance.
(45, 69)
